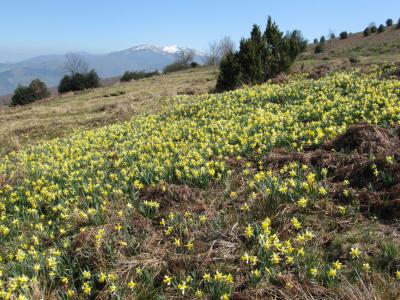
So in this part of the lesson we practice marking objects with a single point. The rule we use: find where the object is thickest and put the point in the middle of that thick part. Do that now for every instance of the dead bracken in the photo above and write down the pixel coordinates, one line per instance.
(367, 156)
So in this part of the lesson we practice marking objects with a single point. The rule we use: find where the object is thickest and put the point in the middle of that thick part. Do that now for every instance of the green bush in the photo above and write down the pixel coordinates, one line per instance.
(315, 41)
(354, 60)
(22, 95)
(389, 22)
(367, 31)
(261, 57)
(319, 48)
(229, 77)
(92, 80)
(36, 90)
(344, 35)
(79, 82)
(174, 67)
(333, 36)
(194, 64)
(322, 39)
(136, 75)
(381, 28)
(398, 23)
(39, 89)
(373, 29)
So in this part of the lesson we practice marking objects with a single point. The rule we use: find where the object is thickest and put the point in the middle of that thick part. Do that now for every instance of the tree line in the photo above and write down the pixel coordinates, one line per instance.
(78, 78)
(370, 29)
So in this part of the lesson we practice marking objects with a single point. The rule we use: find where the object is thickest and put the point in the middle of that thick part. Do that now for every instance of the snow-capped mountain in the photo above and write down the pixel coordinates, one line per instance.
(50, 68)
(170, 49)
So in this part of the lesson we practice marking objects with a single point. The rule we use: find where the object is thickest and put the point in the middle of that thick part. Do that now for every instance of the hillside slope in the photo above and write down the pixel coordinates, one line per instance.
(265, 192)
(376, 48)
(60, 115)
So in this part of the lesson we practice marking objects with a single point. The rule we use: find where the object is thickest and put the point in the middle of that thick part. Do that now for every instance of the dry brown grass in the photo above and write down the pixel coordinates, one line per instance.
(376, 48)
(59, 116)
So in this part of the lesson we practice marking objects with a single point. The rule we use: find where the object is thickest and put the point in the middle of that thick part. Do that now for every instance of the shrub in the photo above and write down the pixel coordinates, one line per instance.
(194, 64)
(367, 31)
(36, 90)
(174, 67)
(354, 60)
(261, 56)
(319, 48)
(79, 82)
(389, 22)
(398, 23)
(315, 41)
(229, 73)
(322, 39)
(22, 95)
(39, 89)
(373, 28)
(381, 28)
(344, 35)
(136, 75)
(92, 80)
(333, 36)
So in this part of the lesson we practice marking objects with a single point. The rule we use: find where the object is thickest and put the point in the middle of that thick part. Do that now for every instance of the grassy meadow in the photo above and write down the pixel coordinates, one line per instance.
(247, 194)
(60, 115)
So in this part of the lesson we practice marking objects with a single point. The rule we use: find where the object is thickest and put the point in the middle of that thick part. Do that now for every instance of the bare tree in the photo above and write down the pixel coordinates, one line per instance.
(213, 56)
(226, 45)
(217, 50)
(75, 64)
(185, 57)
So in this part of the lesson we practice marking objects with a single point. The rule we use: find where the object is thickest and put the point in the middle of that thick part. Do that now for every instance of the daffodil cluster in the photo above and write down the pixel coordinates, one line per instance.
(67, 190)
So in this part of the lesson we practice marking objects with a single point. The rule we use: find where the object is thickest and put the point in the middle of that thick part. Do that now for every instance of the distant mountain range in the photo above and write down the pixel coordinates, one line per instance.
(50, 68)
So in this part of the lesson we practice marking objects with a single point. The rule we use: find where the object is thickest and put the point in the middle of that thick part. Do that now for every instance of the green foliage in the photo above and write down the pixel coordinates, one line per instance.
(344, 35)
(36, 90)
(389, 22)
(354, 60)
(398, 23)
(92, 80)
(315, 41)
(79, 82)
(319, 48)
(367, 31)
(251, 57)
(373, 28)
(22, 95)
(39, 89)
(229, 77)
(261, 57)
(194, 64)
(136, 75)
(333, 36)
(389, 256)
(174, 67)
(322, 39)
(381, 28)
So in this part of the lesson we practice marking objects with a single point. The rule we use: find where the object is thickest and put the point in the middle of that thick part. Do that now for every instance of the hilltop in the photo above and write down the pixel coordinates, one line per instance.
(375, 48)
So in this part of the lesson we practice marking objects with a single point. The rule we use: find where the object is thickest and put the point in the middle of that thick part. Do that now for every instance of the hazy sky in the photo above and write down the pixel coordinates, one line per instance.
(29, 28)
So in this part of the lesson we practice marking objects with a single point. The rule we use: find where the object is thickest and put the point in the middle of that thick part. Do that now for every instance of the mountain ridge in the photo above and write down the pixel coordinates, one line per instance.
(50, 67)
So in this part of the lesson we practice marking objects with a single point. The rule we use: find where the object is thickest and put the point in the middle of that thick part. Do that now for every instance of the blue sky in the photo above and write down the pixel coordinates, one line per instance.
(29, 28)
